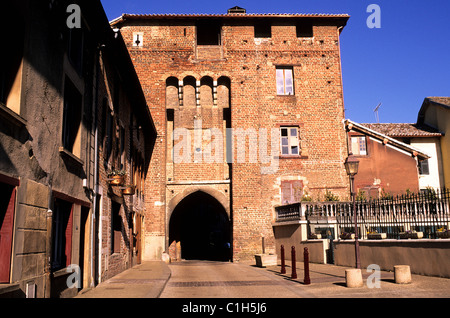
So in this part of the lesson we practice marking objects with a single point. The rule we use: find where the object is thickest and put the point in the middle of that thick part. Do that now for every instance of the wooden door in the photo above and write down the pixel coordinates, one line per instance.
(7, 205)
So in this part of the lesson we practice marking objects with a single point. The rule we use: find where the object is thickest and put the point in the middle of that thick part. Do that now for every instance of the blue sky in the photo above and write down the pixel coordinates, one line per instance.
(398, 65)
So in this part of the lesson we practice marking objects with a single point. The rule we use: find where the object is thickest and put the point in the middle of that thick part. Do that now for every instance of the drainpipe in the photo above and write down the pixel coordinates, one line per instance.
(95, 190)
(49, 246)
(340, 67)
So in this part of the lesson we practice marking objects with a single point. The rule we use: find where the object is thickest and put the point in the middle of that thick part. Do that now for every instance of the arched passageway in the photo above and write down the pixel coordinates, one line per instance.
(201, 225)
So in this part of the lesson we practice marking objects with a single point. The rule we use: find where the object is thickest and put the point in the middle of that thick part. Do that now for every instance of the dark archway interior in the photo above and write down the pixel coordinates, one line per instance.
(201, 225)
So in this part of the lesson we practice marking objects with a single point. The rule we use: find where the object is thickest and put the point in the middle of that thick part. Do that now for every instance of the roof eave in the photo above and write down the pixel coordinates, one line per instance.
(125, 16)
(378, 135)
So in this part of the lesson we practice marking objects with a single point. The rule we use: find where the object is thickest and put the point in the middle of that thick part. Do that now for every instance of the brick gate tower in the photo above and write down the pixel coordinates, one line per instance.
(249, 115)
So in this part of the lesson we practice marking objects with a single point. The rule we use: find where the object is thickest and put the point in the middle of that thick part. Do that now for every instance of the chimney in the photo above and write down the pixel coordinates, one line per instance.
(236, 10)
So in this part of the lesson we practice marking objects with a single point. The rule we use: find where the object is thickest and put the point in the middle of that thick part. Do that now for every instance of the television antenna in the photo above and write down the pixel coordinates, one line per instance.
(376, 113)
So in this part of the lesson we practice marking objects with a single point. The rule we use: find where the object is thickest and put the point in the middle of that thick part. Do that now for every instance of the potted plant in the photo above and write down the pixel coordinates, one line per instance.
(347, 236)
(376, 236)
(443, 233)
(315, 236)
(116, 177)
(129, 190)
(411, 235)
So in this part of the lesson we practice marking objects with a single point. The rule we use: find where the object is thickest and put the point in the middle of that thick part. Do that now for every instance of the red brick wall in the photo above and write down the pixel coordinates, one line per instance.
(386, 169)
(317, 107)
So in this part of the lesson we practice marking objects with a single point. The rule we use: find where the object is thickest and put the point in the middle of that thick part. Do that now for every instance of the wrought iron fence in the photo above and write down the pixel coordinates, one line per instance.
(413, 215)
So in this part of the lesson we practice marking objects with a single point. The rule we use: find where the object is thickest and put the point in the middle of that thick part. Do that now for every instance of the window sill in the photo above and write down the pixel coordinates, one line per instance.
(12, 116)
(66, 153)
(292, 157)
(285, 95)
(9, 288)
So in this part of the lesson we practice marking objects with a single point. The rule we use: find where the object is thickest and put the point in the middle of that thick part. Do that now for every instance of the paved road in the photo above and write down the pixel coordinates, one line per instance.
(203, 279)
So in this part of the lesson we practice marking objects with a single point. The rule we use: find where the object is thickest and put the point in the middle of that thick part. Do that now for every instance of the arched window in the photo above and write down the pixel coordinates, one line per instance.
(223, 92)
(206, 91)
(189, 98)
(172, 92)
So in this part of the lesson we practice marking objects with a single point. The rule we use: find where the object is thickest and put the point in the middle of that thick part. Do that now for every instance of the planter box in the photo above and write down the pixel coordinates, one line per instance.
(264, 260)
(411, 235)
(347, 236)
(315, 236)
(444, 234)
(116, 180)
(376, 236)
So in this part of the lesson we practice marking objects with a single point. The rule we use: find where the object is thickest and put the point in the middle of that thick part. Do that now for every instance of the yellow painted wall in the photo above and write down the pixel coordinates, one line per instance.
(439, 117)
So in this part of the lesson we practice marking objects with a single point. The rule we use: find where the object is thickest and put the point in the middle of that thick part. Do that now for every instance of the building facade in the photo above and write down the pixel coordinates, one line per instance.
(71, 111)
(387, 166)
(424, 138)
(435, 112)
(249, 112)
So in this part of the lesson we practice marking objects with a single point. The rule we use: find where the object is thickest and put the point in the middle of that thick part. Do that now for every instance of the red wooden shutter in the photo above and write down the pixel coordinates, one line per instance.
(6, 234)
(286, 192)
(68, 234)
(297, 190)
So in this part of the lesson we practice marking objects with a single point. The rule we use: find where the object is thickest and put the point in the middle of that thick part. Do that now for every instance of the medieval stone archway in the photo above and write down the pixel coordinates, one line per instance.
(199, 228)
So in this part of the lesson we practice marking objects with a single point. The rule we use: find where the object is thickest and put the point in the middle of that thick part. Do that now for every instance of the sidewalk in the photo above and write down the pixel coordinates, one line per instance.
(328, 281)
(146, 280)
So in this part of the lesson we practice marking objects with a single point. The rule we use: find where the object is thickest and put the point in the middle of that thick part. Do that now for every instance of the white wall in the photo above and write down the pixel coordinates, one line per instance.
(430, 146)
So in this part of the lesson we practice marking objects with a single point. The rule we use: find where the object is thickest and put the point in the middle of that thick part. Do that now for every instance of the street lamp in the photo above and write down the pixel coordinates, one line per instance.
(351, 166)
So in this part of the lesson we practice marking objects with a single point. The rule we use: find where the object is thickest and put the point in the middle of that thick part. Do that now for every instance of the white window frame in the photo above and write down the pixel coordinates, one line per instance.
(290, 141)
(284, 75)
(359, 145)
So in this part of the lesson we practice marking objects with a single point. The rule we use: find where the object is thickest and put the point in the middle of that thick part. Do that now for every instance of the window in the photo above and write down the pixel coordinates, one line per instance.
(75, 48)
(305, 30)
(62, 234)
(11, 68)
(263, 30)
(138, 39)
(358, 145)
(285, 81)
(289, 141)
(208, 32)
(424, 168)
(7, 206)
(71, 137)
(122, 147)
(291, 191)
(116, 227)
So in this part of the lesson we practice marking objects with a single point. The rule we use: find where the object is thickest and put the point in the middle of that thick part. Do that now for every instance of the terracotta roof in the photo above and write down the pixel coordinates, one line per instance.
(126, 16)
(351, 125)
(404, 130)
(440, 100)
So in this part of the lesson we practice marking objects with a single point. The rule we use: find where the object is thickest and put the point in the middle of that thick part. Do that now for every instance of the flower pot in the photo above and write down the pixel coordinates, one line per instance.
(315, 236)
(116, 180)
(376, 236)
(129, 190)
(411, 235)
(347, 236)
(443, 234)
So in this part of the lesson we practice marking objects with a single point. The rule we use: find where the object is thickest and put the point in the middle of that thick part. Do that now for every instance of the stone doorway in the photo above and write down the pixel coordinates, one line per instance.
(200, 229)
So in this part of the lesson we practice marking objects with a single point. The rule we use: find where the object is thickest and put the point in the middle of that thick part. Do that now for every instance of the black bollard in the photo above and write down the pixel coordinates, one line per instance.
(306, 280)
(294, 269)
(283, 265)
